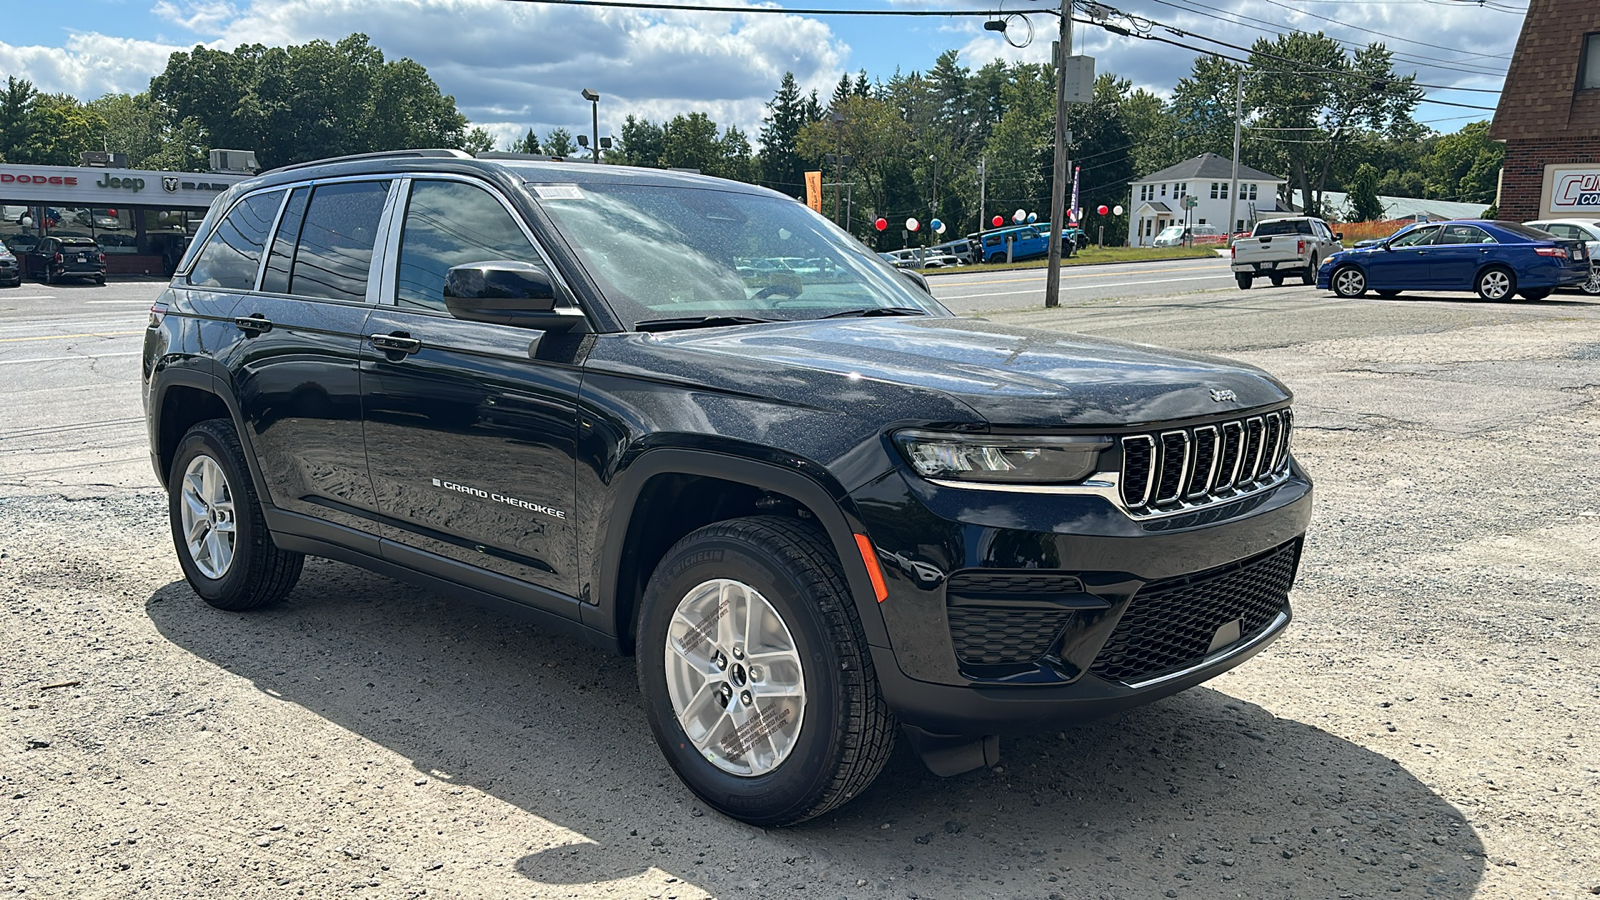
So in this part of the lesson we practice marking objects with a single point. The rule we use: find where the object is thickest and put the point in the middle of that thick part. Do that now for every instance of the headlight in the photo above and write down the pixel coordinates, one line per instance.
(1001, 459)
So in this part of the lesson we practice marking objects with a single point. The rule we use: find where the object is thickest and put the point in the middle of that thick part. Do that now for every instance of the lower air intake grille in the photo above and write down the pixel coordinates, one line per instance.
(993, 636)
(1170, 624)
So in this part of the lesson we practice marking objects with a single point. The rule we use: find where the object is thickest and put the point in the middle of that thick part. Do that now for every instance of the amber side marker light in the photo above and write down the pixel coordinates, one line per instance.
(874, 571)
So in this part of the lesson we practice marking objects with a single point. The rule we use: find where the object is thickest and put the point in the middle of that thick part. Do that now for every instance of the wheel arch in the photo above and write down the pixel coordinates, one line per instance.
(667, 493)
(185, 395)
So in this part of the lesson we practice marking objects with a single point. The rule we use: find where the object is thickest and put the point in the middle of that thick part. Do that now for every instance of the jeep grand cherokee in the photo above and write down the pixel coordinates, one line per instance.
(821, 510)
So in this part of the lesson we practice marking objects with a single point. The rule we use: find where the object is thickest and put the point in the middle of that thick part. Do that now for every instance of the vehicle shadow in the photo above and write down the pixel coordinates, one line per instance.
(1192, 796)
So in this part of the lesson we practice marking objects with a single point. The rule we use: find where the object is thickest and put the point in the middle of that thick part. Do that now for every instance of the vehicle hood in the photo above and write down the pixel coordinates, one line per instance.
(1009, 376)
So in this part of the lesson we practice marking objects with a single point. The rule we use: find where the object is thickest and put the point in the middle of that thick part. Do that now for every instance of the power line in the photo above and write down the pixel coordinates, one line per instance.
(1384, 34)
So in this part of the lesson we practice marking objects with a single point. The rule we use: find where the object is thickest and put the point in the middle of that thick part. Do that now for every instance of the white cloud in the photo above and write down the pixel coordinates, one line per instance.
(89, 64)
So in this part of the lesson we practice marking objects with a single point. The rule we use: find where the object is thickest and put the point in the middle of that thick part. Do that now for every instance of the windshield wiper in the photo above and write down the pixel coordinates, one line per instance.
(877, 311)
(695, 322)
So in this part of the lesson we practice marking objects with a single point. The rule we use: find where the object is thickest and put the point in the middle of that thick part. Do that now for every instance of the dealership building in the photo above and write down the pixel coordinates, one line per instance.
(142, 219)
(1549, 115)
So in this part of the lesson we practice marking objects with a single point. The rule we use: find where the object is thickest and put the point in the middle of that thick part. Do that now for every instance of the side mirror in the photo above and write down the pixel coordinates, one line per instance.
(506, 292)
(1338, 235)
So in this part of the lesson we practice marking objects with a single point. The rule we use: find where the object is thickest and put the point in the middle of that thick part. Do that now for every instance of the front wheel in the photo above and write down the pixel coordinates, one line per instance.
(223, 545)
(1349, 282)
(755, 673)
(1308, 275)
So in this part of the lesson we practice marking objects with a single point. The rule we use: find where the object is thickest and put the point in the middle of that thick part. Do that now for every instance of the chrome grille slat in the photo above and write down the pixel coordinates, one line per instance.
(1194, 466)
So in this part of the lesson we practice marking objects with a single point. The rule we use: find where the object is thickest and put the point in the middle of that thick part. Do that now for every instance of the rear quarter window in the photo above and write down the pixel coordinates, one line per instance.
(231, 257)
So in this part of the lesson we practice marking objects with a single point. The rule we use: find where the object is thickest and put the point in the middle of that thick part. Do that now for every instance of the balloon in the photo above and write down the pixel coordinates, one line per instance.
(937, 226)
(912, 224)
(998, 221)
(1019, 216)
(941, 228)
(1102, 209)
(881, 224)
(1032, 218)
(1117, 210)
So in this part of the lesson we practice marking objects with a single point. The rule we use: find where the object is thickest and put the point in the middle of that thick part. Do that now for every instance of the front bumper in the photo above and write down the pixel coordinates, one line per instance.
(1085, 610)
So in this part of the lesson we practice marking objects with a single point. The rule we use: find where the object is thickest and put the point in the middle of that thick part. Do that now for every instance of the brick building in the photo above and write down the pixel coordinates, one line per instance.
(1549, 114)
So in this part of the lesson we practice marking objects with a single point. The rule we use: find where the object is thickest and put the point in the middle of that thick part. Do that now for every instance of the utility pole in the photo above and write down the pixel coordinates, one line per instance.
(1238, 124)
(837, 118)
(1058, 184)
(983, 188)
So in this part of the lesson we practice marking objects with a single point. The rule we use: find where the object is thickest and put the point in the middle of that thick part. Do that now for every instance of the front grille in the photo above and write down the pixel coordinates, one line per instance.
(1193, 466)
(993, 636)
(1170, 624)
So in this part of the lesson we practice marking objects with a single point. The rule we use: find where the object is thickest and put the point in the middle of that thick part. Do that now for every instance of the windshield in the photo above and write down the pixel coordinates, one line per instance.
(1171, 231)
(667, 252)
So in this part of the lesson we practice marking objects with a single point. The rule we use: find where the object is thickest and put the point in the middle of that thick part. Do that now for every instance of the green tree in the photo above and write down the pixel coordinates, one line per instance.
(787, 112)
(1464, 166)
(1315, 102)
(142, 128)
(478, 140)
(874, 136)
(57, 129)
(642, 143)
(309, 101)
(691, 142)
(559, 142)
(528, 143)
(1364, 205)
(16, 101)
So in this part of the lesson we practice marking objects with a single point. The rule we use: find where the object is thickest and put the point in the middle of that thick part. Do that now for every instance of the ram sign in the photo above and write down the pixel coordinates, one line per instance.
(1572, 191)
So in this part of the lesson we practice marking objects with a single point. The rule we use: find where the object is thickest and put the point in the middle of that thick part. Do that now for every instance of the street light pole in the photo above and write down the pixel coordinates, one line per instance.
(1233, 190)
(1058, 184)
(594, 100)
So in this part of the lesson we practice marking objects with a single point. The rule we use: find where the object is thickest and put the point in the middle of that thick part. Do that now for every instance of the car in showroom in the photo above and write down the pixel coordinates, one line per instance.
(1496, 259)
(823, 512)
(58, 257)
(1586, 230)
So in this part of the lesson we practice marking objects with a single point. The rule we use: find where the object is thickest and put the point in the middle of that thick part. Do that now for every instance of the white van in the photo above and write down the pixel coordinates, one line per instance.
(1177, 235)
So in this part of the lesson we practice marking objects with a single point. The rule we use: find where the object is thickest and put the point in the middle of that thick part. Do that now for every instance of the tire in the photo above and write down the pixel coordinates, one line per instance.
(47, 278)
(100, 280)
(1535, 296)
(1276, 279)
(787, 572)
(1495, 283)
(1388, 295)
(1348, 282)
(1308, 275)
(209, 475)
(1592, 286)
(1245, 280)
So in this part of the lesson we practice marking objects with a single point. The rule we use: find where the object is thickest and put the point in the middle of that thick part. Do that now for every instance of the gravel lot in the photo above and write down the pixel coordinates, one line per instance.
(1425, 729)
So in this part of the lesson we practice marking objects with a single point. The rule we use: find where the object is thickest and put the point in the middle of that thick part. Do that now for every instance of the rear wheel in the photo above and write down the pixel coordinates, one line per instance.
(1535, 295)
(1496, 283)
(1308, 275)
(1276, 279)
(100, 280)
(222, 542)
(755, 673)
(1349, 281)
(1245, 280)
(1388, 295)
(1592, 286)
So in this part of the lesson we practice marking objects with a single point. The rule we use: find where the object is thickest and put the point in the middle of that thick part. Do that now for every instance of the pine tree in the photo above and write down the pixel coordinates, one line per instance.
(781, 167)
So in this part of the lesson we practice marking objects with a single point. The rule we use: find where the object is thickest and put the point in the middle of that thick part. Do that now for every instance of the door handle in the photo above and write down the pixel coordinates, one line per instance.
(253, 324)
(399, 342)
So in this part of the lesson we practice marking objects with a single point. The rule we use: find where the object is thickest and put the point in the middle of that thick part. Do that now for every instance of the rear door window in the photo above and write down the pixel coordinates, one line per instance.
(232, 256)
(334, 254)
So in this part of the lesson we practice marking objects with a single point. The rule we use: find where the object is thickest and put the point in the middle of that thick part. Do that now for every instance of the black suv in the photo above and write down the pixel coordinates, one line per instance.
(819, 508)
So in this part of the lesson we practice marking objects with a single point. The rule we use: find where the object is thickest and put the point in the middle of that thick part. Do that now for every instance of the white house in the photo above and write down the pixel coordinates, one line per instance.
(1158, 197)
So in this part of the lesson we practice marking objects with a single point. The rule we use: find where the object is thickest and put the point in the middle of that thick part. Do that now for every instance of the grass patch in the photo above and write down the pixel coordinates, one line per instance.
(1091, 255)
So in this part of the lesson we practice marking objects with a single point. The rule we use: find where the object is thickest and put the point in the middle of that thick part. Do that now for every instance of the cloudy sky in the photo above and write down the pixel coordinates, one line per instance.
(515, 65)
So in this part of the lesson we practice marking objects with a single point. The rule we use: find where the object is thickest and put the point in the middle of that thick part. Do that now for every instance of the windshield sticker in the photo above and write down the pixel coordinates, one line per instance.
(557, 192)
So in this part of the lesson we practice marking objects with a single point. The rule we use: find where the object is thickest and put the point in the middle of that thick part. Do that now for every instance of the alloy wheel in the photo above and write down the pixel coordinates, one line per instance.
(209, 527)
(1349, 282)
(735, 677)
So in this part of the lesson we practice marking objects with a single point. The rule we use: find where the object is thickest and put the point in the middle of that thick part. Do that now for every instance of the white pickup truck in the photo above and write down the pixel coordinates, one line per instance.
(1294, 245)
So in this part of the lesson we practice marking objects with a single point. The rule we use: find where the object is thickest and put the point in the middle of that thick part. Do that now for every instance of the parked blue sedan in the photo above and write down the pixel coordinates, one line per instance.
(1494, 258)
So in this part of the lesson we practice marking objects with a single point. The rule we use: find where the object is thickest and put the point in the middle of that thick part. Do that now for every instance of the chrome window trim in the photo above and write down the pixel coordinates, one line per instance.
(261, 264)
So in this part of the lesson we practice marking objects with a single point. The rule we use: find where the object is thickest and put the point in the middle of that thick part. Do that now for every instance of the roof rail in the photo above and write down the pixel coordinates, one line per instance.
(381, 154)
(506, 154)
